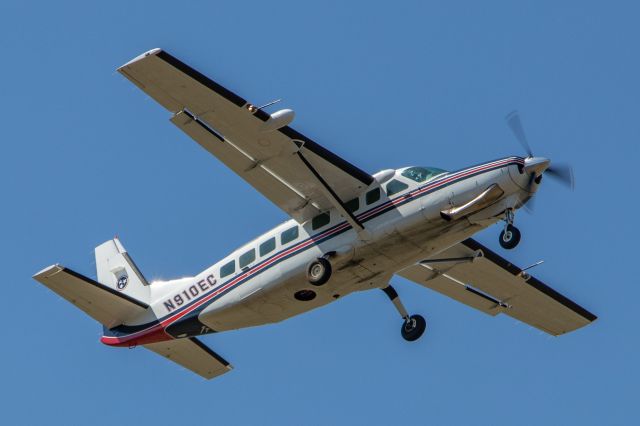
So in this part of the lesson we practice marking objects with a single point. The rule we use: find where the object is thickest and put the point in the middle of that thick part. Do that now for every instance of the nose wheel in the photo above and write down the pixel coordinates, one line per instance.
(413, 326)
(510, 235)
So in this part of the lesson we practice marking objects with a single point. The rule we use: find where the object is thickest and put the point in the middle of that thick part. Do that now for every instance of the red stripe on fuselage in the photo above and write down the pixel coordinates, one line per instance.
(155, 333)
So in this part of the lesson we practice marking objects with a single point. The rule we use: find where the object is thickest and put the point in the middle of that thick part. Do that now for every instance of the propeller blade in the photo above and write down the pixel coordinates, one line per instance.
(530, 205)
(563, 173)
(513, 120)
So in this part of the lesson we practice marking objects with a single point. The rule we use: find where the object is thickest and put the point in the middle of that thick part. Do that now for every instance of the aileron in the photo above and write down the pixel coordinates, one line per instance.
(494, 285)
(228, 119)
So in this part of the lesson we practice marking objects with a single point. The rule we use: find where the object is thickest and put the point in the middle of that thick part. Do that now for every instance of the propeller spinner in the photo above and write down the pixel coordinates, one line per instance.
(561, 172)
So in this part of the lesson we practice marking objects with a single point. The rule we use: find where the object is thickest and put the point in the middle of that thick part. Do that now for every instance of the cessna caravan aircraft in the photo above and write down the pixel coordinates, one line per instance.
(349, 231)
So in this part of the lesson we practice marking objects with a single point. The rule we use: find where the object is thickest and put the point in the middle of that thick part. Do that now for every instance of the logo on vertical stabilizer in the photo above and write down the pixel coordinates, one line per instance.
(122, 282)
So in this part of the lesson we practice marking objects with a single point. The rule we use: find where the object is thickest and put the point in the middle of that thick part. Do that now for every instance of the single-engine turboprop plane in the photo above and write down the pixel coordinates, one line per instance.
(349, 231)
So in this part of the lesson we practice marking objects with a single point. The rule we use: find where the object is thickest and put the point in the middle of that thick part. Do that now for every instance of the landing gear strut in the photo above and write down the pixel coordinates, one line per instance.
(414, 325)
(510, 235)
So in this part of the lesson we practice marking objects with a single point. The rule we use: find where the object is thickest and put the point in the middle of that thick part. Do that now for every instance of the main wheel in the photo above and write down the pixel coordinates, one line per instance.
(509, 237)
(413, 328)
(319, 271)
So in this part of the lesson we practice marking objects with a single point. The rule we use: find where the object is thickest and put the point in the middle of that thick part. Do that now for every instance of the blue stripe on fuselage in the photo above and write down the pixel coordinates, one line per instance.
(123, 330)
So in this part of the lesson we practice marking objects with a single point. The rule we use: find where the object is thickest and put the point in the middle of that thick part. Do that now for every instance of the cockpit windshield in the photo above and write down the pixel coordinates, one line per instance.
(422, 174)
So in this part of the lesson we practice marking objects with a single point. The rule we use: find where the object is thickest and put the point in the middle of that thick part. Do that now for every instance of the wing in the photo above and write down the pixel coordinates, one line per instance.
(291, 170)
(102, 303)
(476, 276)
(193, 355)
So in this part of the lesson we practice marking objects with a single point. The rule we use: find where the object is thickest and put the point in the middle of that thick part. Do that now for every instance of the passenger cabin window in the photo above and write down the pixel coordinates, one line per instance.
(289, 235)
(268, 246)
(352, 205)
(320, 221)
(372, 196)
(395, 186)
(228, 269)
(247, 258)
(421, 174)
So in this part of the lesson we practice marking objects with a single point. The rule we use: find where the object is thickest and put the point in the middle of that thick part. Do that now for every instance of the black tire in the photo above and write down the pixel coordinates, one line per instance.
(319, 271)
(509, 237)
(413, 328)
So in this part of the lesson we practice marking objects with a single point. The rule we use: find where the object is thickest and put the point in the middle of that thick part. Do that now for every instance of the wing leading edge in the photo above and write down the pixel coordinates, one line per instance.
(478, 277)
(281, 163)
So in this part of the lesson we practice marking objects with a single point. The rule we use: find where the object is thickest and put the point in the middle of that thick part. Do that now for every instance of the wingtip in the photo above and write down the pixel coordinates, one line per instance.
(48, 271)
(151, 52)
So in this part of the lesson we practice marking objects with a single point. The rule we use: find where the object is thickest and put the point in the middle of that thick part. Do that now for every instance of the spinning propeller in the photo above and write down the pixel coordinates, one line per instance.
(561, 172)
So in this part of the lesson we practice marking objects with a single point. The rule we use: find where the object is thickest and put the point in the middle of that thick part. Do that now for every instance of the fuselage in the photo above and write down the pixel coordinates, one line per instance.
(264, 281)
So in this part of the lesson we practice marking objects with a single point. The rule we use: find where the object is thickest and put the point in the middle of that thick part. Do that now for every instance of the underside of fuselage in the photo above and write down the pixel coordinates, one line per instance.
(402, 237)
(401, 231)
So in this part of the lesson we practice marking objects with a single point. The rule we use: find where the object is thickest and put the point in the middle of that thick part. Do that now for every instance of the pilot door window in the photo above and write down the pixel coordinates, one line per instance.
(395, 186)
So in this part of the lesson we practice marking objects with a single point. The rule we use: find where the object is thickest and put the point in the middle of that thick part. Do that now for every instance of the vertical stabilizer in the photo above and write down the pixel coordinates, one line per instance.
(117, 270)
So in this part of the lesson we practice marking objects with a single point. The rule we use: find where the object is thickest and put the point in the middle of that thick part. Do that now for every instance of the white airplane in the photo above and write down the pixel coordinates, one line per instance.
(350, 231)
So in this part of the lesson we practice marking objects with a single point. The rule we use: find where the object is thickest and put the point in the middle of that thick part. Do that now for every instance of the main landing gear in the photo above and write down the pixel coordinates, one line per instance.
(510, 235)
(319, 271)
(414, 325)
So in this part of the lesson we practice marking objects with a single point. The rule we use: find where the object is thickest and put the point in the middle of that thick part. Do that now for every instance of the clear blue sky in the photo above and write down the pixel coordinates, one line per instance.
(86, 156)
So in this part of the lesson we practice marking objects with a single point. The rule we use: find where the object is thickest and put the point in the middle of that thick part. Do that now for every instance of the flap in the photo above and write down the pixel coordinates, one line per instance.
(193, 355)
(102, 303)
(242, 137)
(484, 280)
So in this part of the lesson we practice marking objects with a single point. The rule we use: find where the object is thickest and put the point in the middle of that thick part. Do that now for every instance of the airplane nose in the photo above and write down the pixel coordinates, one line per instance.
(536, 165)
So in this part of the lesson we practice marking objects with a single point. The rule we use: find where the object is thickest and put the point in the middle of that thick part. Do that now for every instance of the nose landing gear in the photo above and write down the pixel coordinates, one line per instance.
(510, 235)
(414, 325)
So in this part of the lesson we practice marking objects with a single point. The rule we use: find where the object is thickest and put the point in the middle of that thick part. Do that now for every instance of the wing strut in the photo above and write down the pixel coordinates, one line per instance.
(330, 193)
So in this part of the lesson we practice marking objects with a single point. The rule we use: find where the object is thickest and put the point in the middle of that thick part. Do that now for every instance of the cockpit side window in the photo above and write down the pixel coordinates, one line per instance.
(422, 174)
(395, 186)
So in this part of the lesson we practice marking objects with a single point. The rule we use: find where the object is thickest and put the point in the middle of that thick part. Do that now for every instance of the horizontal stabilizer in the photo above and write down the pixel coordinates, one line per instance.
(193, 355)
(104, 304)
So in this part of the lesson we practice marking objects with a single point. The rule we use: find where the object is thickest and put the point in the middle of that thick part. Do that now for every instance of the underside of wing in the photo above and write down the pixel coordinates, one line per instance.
(102, 303)
(293, 171)
(476, 276)
(193, 355)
